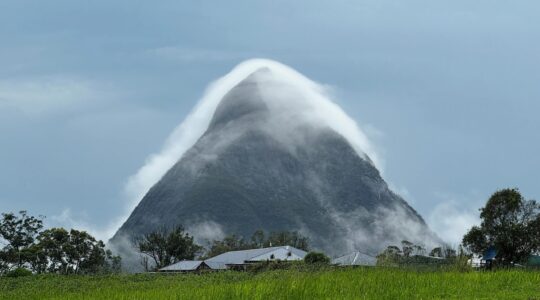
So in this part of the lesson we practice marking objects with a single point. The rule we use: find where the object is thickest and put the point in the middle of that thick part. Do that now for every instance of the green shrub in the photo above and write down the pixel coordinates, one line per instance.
(316, 258)
(269, 266)
(19, 272)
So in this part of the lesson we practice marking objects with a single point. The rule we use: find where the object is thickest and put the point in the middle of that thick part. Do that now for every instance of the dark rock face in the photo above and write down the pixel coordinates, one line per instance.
(243, 176)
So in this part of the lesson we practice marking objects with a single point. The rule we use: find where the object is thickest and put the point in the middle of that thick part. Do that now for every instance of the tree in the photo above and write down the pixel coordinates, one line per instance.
(316, 258)
(288, 238)
(166, 246)
(419, 250)
(113, 262)
(19, 233)
(436, 252)
(258, 239)
(511, 224)
(71, 252)
(85, 254)
(407, 248)
(410, 253)
(449, 252)
(4, 265)
(53, 244)
(390, 256)
(229, 243)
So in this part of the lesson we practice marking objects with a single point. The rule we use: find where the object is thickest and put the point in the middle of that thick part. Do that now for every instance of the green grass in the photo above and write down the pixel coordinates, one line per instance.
(360, 283)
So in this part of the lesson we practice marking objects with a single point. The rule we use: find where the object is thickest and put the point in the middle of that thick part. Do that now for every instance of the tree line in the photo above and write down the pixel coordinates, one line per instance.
(509, 223)
(25, 245)
(510, 227)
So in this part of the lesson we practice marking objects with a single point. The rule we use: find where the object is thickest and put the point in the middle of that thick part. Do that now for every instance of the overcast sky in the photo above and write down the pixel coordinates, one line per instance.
(447, 91)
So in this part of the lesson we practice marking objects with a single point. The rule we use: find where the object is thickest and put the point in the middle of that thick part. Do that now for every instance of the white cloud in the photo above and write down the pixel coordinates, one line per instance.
(205, 232)
(69, 220)
(451, 220)
(44, 95)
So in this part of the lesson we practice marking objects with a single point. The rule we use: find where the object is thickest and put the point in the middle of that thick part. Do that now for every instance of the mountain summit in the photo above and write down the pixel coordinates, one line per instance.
(267, 161)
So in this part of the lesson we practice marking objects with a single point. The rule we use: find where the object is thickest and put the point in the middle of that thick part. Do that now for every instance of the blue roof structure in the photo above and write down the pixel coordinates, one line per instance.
(490, 253)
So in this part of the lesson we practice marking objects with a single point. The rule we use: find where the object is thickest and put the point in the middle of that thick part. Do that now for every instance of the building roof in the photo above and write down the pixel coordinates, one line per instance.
(239, 257)
(355, 258)
(262, 254)
(216, 265)
(184, 265)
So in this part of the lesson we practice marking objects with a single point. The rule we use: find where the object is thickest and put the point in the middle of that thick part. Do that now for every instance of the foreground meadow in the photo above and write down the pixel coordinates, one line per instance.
(359, 283)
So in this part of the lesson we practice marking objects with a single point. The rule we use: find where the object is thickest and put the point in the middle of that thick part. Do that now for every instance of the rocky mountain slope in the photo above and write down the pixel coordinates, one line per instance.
(266, 163)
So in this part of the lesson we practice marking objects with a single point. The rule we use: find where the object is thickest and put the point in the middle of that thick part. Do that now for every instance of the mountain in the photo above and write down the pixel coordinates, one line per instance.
(267, 162)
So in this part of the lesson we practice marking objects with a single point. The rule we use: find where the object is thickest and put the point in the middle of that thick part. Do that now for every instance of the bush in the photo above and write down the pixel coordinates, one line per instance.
(316, 258)
(272, 265)
(19, 272)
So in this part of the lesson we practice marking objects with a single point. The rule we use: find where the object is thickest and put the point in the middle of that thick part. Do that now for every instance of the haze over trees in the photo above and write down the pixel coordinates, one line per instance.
(510, 224)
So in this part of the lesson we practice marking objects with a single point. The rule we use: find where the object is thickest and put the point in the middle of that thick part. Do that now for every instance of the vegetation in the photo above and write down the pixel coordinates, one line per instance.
(55, 250)
(510, 224)
(316, 258)
(19, 234)
(329, 283)
(165, 247)
(411, 253)
(19, 272)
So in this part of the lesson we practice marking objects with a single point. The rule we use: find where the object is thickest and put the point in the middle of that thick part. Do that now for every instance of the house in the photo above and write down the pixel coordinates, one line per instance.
(355, 258)
(238, 260)
(242, 258)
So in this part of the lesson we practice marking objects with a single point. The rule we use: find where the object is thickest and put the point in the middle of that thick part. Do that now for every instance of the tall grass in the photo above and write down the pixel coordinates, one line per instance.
(358, 283)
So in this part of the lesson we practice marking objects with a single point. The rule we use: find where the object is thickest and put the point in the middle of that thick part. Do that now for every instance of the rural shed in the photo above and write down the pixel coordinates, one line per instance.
(355, 258)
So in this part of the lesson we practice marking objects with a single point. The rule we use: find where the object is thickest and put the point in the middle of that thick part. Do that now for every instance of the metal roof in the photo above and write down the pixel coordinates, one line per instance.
(216, 265)
(356, 258)
(240, 257)
(262, 254)
(184, 265)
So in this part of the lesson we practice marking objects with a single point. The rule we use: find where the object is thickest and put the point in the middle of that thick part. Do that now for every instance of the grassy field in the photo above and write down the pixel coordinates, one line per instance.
(359, 283)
